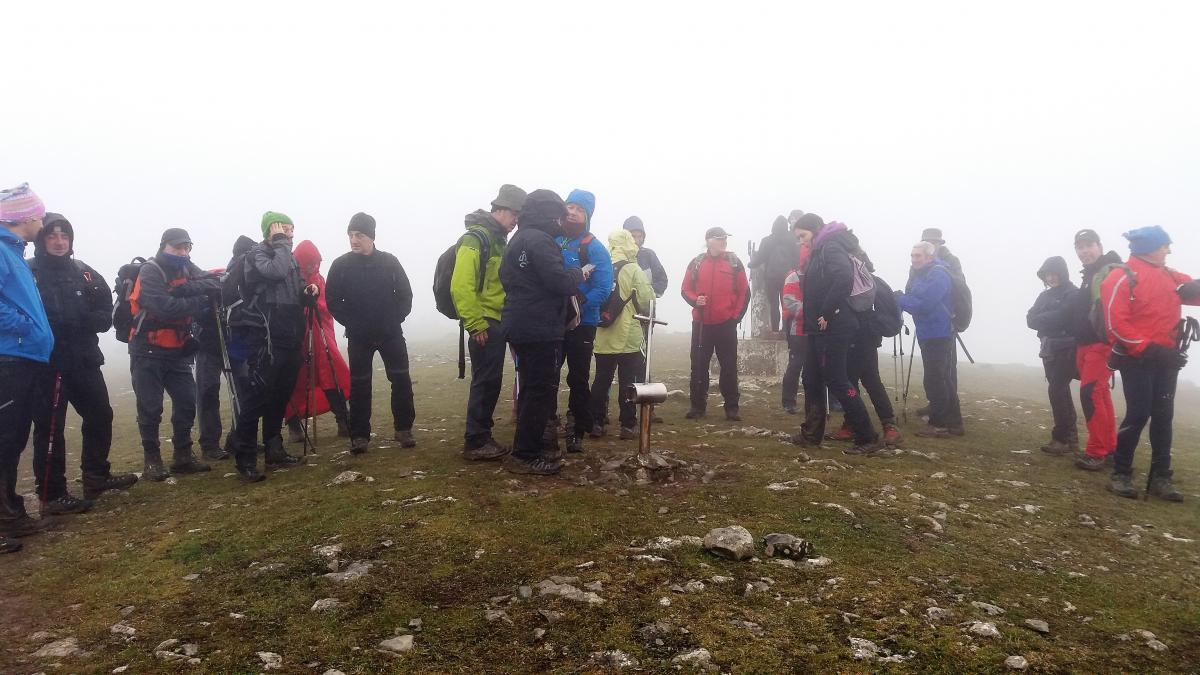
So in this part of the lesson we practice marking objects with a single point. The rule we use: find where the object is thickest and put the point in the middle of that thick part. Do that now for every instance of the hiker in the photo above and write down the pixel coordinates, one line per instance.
(716, 287)
(581, 249)
(862, 361)
(79, 306)
(1091, 353)
(647, 259)
(537, 288)
(478, 299)
(321, 356)
(619, 344)
(1143, 306)
(168, 295)
(777, 254)
(952, 264)
(26, 342)
(831, 325)
(928, 298)
(792, 298)
(210, 364)
(368, 292)
(1050, 316)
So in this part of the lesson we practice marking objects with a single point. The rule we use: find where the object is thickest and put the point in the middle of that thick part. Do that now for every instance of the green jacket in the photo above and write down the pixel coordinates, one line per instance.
(476, 306)
(625, 336)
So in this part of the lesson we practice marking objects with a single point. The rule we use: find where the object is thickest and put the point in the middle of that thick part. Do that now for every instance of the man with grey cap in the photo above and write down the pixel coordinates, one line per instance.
(647, 259)
(478, 299)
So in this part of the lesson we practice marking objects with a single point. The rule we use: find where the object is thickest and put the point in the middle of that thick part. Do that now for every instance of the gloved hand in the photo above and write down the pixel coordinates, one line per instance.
(1164, 357)
(1189, 291)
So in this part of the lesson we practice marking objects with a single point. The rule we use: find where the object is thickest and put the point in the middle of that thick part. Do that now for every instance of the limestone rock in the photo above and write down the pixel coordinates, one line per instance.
(985, 629)
(59, 649)
(1016, 663)
(325, 605)
(270, 660)
(398, 644)
(735, 542)
(786, 546)
(1038, 625)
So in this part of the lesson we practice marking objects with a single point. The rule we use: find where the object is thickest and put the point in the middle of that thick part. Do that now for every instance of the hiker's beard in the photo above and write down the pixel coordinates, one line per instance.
(573, 229)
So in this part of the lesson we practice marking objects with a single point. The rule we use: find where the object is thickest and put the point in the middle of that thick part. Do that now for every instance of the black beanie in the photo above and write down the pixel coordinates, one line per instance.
(361, 222)
(809, 221)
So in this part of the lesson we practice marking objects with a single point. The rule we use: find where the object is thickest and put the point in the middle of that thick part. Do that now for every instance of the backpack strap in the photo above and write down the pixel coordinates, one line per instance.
(485, 251)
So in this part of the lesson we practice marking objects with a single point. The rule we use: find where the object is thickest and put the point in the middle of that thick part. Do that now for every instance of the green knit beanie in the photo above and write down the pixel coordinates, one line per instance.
(270, 218)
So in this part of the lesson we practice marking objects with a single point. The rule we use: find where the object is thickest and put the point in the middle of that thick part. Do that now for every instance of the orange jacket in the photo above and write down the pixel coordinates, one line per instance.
(1143, 309)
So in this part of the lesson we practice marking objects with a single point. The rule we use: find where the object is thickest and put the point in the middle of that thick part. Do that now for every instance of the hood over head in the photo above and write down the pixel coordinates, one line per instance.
(780, 226)
(622, 247)
(1056, 265)
(542, 211)
(831, 229)
(50, 222)
(309, 258)
(585, 200)
(484, 219)
(242, 245)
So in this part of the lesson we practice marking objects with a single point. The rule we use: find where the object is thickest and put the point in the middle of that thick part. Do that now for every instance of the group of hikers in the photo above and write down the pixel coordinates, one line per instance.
(529, 277)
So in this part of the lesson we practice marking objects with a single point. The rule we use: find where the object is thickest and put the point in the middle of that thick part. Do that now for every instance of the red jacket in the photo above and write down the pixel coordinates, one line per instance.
(793, 296)
(1149, 312)
(723, 280)
(331, 370)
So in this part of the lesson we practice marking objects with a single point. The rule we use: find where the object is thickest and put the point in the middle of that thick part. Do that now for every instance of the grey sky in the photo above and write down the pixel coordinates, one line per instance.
(1009, 125)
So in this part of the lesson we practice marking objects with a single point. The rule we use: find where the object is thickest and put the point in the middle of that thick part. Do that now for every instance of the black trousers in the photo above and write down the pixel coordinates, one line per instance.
(577, 355)
(862, 365)
(20, 379)
(265, 383)
(1060, 372)
(720, 338)
(774, 292)
(824, 370)
(209, 371)
(152, 376)
(487, 378)
(86, 391)
(394, 351)
(537, 400)
(1149, 397)
(939, 357)
(797, 345)
(628, 368)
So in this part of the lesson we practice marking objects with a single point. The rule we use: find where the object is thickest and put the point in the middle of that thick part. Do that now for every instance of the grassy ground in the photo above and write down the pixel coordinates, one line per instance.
(455, 555)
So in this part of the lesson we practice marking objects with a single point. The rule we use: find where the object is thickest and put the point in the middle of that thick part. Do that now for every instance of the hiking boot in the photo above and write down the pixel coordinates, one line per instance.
(153, 468)
(891, 435)
(535, 467)
(250, 474)
(694, 414)
(1161, 487)
(485, 451)
(574, 443)
(1056, 448)
(295, 430)
(276, 456)
(1122, 486)
(65, 505)
(803, 440)
(957, 431)
(597, 431)
(930, 431)
(864, 449)
(23, 526)
(359, 446)
(923, 411)
(185, 462)
(790, 409)
(844, 433)
(1090, 463)
(628, 433)
(95, 485)
(9, 545)
(213, 454)
(731, 415)
(406, 438)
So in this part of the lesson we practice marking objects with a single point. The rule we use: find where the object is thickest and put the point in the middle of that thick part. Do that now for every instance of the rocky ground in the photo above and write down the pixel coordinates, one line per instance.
(728, 550)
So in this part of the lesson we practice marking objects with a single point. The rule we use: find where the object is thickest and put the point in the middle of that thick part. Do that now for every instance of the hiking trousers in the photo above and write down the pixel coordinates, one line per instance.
(1095, 397)
(1149, 397)
(487, 378)
(629, 368)
(19, 380)
(720, 338)
(394, 352)
(265, 386)
(1060, 372)
(795, 366)
(939, 357)
(577, 355)
(826, 368)
(86, 390)
(862, 365)
(537, 400)
(209, 371)
(152, 377)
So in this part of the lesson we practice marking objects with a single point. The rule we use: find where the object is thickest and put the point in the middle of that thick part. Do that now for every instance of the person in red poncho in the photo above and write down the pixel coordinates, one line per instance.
(332, 381)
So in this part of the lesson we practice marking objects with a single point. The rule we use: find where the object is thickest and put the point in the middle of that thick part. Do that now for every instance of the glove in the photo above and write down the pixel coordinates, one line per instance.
(1164, 357)
(1189, 291)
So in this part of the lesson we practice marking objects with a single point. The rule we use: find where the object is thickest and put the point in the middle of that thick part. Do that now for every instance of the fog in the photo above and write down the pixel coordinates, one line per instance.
(1009, 126)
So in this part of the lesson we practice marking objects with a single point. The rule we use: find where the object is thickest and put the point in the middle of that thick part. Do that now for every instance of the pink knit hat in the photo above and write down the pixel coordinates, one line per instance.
(20, 203)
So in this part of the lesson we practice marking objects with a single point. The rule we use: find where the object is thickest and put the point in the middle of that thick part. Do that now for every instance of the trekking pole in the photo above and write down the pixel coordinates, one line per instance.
(53, 431)
(226, 366)
(912, 349)
(962, 344)
(895, 371)
(309, 363)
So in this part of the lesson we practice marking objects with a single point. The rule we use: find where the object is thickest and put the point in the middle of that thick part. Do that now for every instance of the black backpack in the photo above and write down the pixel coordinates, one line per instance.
(123, 319)
(960, 294)
(615, 304)
(443, 272)
(885, 319)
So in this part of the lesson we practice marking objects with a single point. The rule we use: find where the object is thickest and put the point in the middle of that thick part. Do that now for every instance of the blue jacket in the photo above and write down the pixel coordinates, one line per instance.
(597, 287)
(929, 301)
(24, 329)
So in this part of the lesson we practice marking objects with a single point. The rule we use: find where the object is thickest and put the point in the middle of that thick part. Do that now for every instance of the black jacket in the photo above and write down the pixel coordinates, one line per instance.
(778, 253)
(79, 307)
(369, 294)
(274, 290)
(1080, 310)
(1050, 315)
(537, 284)
(828, 280)
(165, 304)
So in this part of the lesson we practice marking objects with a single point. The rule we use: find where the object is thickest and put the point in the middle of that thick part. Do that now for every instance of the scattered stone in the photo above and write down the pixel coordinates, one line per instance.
(698, 658)
(1016, 663)
(1086, 521)
(613, 658)
(328, 552)
(355, 570)
(415, 625)
(819, 561)
(989, 609)
(190, 649)
(261, 570)
(594, 586)
(41, 636)
(663, 544)
(1156, 645)
(863, 650)
(121, 628)
(350, 477)
(325, 605)
(167, 645)
(748, 625)
(1170, 537)
(270, 660)
(1038, 625)
(784, 486)
(397, 645)
(127, 610)
(839, 507)
(985, 629)
(934, 525)
(190, 577)
(664, 601)
(568, 592)
(333, 671)
(694, 587)
(938, 475)
(786, 546)
(524, 592)
(494, 615)
(718, 579)
(735, 542)
(645, 557)
(691, 540)
(236, 615)
(936, 614)
(550, 616)
(59, 649)
(539, 633)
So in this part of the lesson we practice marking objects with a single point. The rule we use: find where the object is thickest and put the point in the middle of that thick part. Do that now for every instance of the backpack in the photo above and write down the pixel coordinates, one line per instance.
(885, 319)
(735, 264)
(862, 290)
(234, 285)
(615, 304)
(1096, 314)
(123, 318)
(960, 295)
(443, 273)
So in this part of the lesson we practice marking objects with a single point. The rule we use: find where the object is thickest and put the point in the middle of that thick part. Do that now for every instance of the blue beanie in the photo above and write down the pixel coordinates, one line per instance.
(584, 199)
(1146, 239)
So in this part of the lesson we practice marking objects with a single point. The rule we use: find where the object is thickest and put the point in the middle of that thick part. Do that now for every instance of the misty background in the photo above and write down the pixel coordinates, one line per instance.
(1008, 125)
